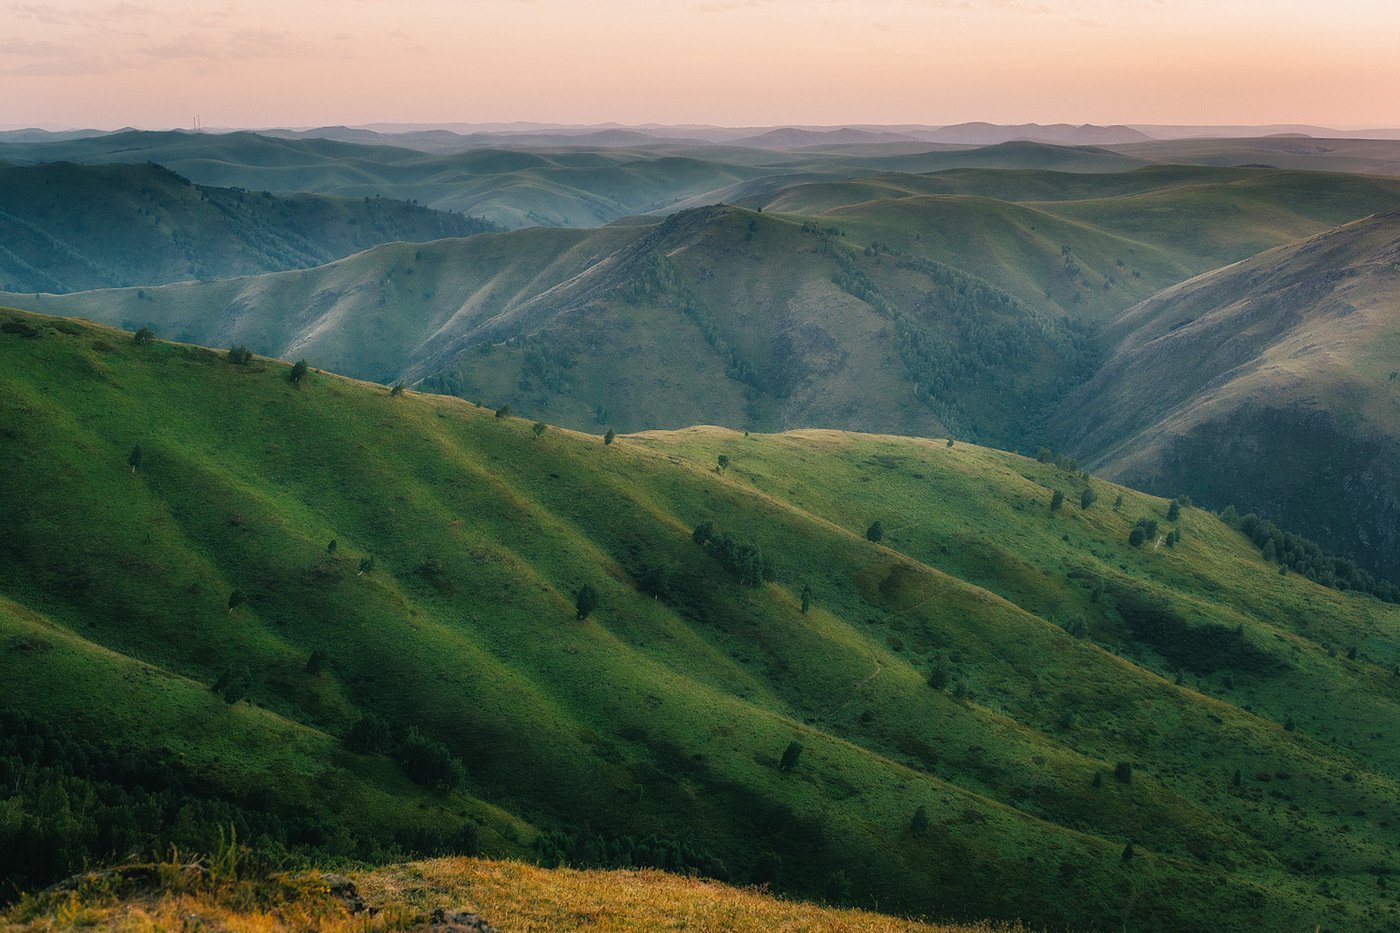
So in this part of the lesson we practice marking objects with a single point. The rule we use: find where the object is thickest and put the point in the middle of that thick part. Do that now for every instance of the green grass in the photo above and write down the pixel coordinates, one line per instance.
(669, 716)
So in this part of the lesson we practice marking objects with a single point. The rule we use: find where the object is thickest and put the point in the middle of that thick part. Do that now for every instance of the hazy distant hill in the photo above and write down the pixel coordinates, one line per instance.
(303, 602)
(1271, 384)
(1064, 134)
(66, 227)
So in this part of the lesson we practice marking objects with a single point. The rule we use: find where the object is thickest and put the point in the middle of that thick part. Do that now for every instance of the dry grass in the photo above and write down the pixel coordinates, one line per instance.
(512, 896)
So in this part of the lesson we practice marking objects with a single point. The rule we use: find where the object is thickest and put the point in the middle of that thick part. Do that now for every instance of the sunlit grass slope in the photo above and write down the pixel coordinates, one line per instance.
(1088, 695)
(510, 895)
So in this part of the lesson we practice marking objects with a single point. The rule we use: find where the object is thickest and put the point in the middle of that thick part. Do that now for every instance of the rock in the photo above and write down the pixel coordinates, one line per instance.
(343, 889)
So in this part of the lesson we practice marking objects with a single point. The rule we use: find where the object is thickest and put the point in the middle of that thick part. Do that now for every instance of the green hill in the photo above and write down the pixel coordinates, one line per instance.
(66, 227)
(1270, 385)
(974, 717)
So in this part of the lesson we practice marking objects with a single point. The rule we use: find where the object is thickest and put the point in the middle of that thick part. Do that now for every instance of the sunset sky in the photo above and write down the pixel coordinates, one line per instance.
(255, 63)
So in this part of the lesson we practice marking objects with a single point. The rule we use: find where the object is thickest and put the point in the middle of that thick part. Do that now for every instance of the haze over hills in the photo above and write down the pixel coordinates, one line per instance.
(989, 702)
(66, 227)
(1270, 384)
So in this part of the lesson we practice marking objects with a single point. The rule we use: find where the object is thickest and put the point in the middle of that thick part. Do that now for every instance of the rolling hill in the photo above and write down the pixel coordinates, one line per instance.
(863, 668)
(1270, 385)
(67, 227)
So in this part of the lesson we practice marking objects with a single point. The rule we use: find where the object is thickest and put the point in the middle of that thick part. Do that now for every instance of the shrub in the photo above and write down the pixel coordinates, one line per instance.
(790, 756)
(585, 601)
(1087, 498)
(1056, 501)
(609, 437)
(298, 373)
(241, 356)
(143, 337)
(369, 735)
(1123, 771)
(430, 763)
(876, 532)
(503, 411)
(918, 824)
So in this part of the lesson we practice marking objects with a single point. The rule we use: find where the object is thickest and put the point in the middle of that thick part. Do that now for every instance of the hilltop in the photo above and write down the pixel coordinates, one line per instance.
(1289, 357)
(68, 227)
(861, 668)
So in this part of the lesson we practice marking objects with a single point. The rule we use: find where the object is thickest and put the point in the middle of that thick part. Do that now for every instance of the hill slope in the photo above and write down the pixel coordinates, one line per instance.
(697, 715)
(1270, 384)
(66, 227)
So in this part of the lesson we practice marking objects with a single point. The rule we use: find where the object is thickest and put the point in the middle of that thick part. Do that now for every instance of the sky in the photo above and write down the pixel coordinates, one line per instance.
(260, 63)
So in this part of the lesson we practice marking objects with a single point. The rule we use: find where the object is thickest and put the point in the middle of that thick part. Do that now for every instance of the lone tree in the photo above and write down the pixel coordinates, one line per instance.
(608, 438)
(1174, 511)
(1087, 498)
(703, 532)
(135, 457)
(397, 390)
(538, 428)
(241, 355)
(806, 598)
(876, 532)
(586, 601)
(1123, 771)
(918, 824)
(722, 462)
(298, 373)
(236, 599)
(1118, 502)
(1128, 852)
(503, 411)
(366, 565)
(1057, 500)
(144, 336)
(1137, 536)
(790, 756)
(330, 548)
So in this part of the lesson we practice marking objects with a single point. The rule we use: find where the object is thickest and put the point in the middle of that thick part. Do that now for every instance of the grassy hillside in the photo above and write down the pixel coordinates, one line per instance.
(508, 895)
(1271, 385)
(988, 705)
(714, 315)
(577, 187)
(67, 227)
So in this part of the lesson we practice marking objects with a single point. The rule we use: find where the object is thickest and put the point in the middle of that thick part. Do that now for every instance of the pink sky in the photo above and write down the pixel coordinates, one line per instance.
(152, 63)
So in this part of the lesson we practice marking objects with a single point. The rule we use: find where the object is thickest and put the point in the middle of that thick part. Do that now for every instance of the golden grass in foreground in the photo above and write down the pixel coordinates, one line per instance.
(512, 896)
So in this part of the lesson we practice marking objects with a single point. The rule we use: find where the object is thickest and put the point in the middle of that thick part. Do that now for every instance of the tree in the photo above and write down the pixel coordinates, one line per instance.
(538, 428)
(369, 735)
(950, 442)
(430, 763)
(366, 565)
(941, 673)
(1174, 511)
(316, 663)
(330, 548)
(1137, 536)
(233, 684)
(503, 412)
(586, 601)
(918, 824)
(806, 598)
(397, 390)
(1057, 500)
(241, 355)
(790, 756)
(135, 457)
(876, 532)
(1123, 771)
(298, 373)
(1087, 498)
(703, 532)
(1118, 502)
(236, 599)
(1098, 779)
(1128, 852)
(722, 462)
(143, 337)
(1044, 455)
(608, 438)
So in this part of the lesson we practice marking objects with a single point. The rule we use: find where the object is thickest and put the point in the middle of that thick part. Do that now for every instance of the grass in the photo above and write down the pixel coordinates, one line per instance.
(511, 895)
(667, 716)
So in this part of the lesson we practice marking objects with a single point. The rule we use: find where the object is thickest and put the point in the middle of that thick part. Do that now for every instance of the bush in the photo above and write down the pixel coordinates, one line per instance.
(1123, 771)
(369, 735)
(876, 532)
(585, 601)
(298, 373)
(430, 763)
(241, 356)
(790, 756)
(1056, 501)
(143, 337)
